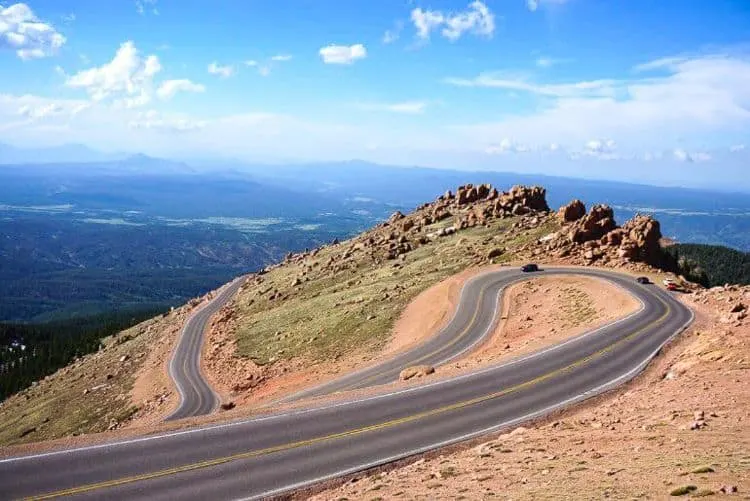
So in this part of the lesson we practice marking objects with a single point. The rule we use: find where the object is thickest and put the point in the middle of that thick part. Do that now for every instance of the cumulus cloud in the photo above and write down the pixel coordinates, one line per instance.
(169, 88)
(281, 57)
(41, 111)
(476, 19)
(406, 107)
(128, 77)
(23, 32)
(683, 156)
(736, 148)
(224, 71)
(507, 145)
(604, 149)
(343, 54)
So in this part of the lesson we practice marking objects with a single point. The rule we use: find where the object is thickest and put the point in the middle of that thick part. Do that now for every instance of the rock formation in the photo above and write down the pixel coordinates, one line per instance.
(596, 237)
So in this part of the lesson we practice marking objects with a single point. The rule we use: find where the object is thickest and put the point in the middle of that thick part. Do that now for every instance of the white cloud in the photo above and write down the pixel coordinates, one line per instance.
(605, 149)
(128, 76)
(406, 107)
(703, 96)
(476, 19)
(736, 148)
(593, 88)
(42, 111)
(251, 63)
(684, 156)
(169, 88)
(507, 145)
(533, 5)
(141, 6)
(342, 54)
(281, 57)
(153, 120)
(34, 111)
(224, 71)
(665, 62)
(548, 62)
(394, 33)
(68, 18)
(23, 32)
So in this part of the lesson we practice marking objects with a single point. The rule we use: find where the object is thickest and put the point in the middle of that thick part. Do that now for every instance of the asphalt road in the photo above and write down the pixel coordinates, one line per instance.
(270, 455)
(196, 396)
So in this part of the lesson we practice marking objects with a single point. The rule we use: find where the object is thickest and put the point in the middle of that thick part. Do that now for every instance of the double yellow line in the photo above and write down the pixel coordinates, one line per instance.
(455, 340)
(358, 431)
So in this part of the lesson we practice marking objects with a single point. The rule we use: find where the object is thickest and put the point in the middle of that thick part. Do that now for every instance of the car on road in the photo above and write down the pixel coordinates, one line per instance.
(529, 268)
(643, 280)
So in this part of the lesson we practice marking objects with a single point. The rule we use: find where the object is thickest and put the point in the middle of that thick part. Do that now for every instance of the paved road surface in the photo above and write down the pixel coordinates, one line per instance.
(196, 396)
(265, 456)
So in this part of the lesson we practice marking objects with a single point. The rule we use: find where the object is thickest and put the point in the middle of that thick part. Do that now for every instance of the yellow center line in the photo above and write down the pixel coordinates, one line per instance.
(357, 431)
(455, 340)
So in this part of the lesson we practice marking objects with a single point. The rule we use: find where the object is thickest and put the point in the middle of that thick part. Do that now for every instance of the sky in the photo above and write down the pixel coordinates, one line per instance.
(637, 90)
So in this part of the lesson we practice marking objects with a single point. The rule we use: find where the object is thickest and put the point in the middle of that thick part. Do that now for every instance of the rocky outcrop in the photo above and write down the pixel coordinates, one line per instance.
(393, 239)
(594, 225)
(586, 238)
(574, 211)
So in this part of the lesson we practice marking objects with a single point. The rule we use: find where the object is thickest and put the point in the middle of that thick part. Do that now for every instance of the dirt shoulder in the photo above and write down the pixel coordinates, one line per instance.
(682, 424)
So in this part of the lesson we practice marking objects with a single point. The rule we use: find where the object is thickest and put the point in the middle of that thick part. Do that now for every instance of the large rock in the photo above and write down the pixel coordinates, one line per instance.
(416, 371)
(574, 211)
(594, 225)
(643, 234)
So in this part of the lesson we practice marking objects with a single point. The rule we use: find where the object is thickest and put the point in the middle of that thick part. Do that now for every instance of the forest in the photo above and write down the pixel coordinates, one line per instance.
(711, 265)
(29, 352)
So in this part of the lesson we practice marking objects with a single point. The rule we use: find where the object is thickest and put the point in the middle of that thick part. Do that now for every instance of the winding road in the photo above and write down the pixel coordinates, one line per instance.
(196, 395)
(270, 455)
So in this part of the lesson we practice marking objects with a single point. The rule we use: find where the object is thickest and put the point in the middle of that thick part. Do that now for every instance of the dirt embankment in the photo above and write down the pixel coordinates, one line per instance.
(680, 427)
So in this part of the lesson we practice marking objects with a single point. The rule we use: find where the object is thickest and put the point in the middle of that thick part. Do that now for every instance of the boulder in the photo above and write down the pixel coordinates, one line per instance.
(574, 211)
(416, 371)
(497, 252)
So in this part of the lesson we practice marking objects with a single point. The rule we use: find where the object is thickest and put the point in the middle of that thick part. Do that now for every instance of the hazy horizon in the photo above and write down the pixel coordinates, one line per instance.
(637, 92)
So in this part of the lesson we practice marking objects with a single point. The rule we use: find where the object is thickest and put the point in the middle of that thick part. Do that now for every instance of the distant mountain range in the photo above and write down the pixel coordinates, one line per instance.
(55, 154)
(84, 236)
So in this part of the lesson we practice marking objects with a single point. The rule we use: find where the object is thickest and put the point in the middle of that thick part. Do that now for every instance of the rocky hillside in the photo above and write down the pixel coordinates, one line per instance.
(322, 312)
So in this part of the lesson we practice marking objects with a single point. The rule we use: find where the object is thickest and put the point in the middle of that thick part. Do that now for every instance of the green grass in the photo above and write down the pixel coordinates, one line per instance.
(332, 314)
(65, 404)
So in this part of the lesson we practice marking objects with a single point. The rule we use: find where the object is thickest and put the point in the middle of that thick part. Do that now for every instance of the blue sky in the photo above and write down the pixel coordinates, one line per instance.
(637, 90)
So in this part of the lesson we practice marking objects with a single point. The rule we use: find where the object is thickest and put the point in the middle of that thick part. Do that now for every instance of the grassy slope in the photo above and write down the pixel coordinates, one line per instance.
(329, 315)
(87, 396)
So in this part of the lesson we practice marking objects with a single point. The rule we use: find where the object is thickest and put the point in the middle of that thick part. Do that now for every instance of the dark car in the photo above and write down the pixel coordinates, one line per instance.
(529, 268)
(643, 280)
